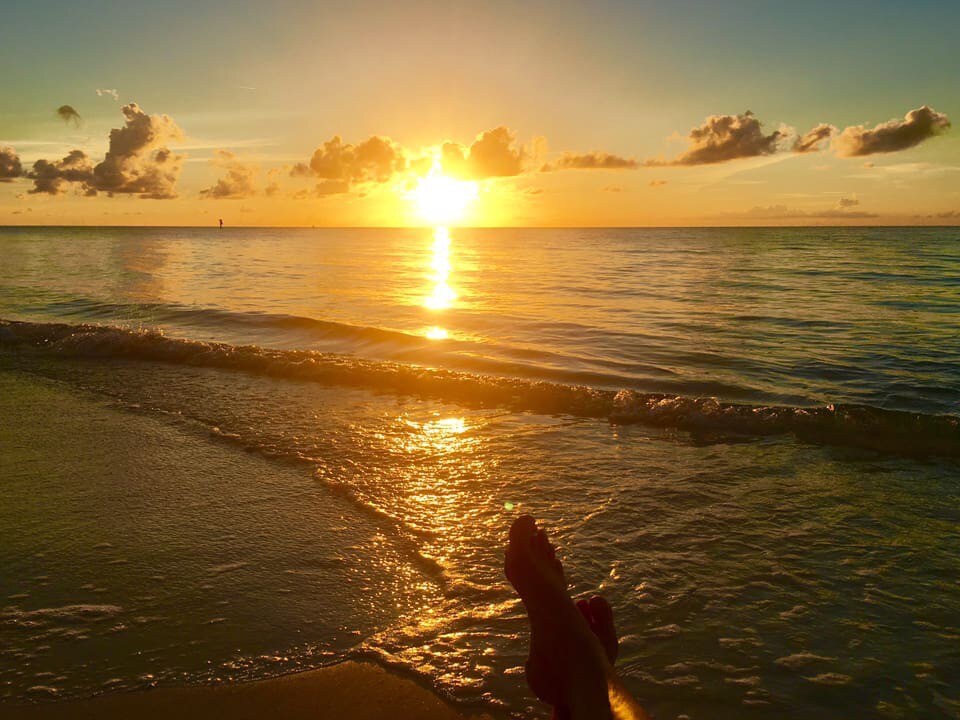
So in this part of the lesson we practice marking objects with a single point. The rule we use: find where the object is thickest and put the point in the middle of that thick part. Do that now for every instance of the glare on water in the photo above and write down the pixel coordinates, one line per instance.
(442, 296)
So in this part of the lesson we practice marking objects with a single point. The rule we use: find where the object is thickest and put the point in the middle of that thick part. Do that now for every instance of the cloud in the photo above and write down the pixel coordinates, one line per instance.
(846, 202)
(590, 161)
(493, 154)
(53, 177)
(917, 125)
(657, 183)
(947, 215)
(69, 115)
(109, 93)
(10, 167)
(375, 160)
(813, 139)
(137, 161)
(301, 170)
(782, 212)
(238, 180)
(722, 138)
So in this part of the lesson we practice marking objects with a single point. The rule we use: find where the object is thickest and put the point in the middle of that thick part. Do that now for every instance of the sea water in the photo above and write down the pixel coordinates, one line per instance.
(231, 454)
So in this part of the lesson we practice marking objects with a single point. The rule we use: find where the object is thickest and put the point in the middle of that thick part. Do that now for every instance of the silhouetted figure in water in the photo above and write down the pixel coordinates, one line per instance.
(572, 647)
(221, 223)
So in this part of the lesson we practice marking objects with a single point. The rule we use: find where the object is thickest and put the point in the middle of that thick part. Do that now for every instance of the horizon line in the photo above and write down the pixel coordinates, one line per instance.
(482, 227)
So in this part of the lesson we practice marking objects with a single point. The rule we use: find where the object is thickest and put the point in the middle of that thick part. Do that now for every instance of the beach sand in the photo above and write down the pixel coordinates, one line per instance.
(356, 690)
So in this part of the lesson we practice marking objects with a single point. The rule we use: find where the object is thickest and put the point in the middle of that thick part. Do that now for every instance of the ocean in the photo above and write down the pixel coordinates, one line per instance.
(231, 454)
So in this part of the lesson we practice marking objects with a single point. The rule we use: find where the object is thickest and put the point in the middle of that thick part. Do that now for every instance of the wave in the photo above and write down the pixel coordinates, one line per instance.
(282, 330)
(862, 426)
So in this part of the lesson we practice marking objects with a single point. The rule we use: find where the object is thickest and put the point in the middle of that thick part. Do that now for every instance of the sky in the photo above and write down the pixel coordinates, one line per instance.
(519, 114)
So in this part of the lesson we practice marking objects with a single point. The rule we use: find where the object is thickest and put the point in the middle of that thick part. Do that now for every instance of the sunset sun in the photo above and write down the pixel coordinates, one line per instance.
(442, 200)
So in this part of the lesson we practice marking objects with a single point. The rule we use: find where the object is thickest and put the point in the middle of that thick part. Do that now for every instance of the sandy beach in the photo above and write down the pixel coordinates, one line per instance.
(356, 690)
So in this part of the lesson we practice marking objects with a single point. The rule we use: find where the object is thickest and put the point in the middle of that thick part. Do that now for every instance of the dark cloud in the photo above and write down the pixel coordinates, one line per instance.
(613, 189)
(590, 161)
(54, 177)
(813, 139)
(376, 159)
(917, 125)
(10, 167)
(137, 161)
(657, 183)
(493, 154)
(846, 202)
(69, 115)
(722, 138)
(238, 180)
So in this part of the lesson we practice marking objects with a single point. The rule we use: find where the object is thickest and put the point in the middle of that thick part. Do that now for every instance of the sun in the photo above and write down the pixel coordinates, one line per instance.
(442, 200)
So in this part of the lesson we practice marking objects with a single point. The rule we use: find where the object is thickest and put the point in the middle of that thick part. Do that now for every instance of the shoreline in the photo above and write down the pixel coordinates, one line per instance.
(361, 690)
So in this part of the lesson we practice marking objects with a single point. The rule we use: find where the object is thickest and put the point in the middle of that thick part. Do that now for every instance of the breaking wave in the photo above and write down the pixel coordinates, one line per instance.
(837, 424)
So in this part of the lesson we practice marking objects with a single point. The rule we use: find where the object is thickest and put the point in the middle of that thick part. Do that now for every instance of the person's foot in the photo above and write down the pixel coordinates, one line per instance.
(570, 647)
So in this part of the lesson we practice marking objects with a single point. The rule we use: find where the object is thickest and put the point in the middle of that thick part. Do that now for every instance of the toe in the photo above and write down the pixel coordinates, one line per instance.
(603, 627)
(523, 529)
(584, 607)
(601, 611)
(541, 544)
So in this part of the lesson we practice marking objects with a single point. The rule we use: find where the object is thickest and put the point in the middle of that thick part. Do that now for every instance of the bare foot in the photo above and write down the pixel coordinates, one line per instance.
(569, 663)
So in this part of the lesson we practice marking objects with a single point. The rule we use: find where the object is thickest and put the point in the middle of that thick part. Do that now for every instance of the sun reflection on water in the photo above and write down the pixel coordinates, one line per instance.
(442, 296)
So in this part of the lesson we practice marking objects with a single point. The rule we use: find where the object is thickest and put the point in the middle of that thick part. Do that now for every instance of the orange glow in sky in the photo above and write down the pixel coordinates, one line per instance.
(442, 200)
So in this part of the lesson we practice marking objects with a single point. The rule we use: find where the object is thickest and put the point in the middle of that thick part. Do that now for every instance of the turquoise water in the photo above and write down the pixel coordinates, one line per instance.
(747, 438)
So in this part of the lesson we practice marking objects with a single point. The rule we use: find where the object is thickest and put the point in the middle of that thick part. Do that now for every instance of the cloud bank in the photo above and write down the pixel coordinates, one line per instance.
(724, 137)
(53, 177)
(138, 161)
(891, 136)
(339, 165)
(590, 161)
(493, 154)
(10, 167)
(783, 212)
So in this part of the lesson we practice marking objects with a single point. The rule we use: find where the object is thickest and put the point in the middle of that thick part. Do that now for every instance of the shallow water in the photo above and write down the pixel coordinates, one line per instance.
(183, 515)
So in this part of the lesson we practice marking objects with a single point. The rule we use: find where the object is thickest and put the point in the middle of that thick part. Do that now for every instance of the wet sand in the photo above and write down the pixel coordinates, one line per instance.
(361, 691)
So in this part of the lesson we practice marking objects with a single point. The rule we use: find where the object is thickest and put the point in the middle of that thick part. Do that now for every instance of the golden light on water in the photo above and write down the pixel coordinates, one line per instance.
(442, 295)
